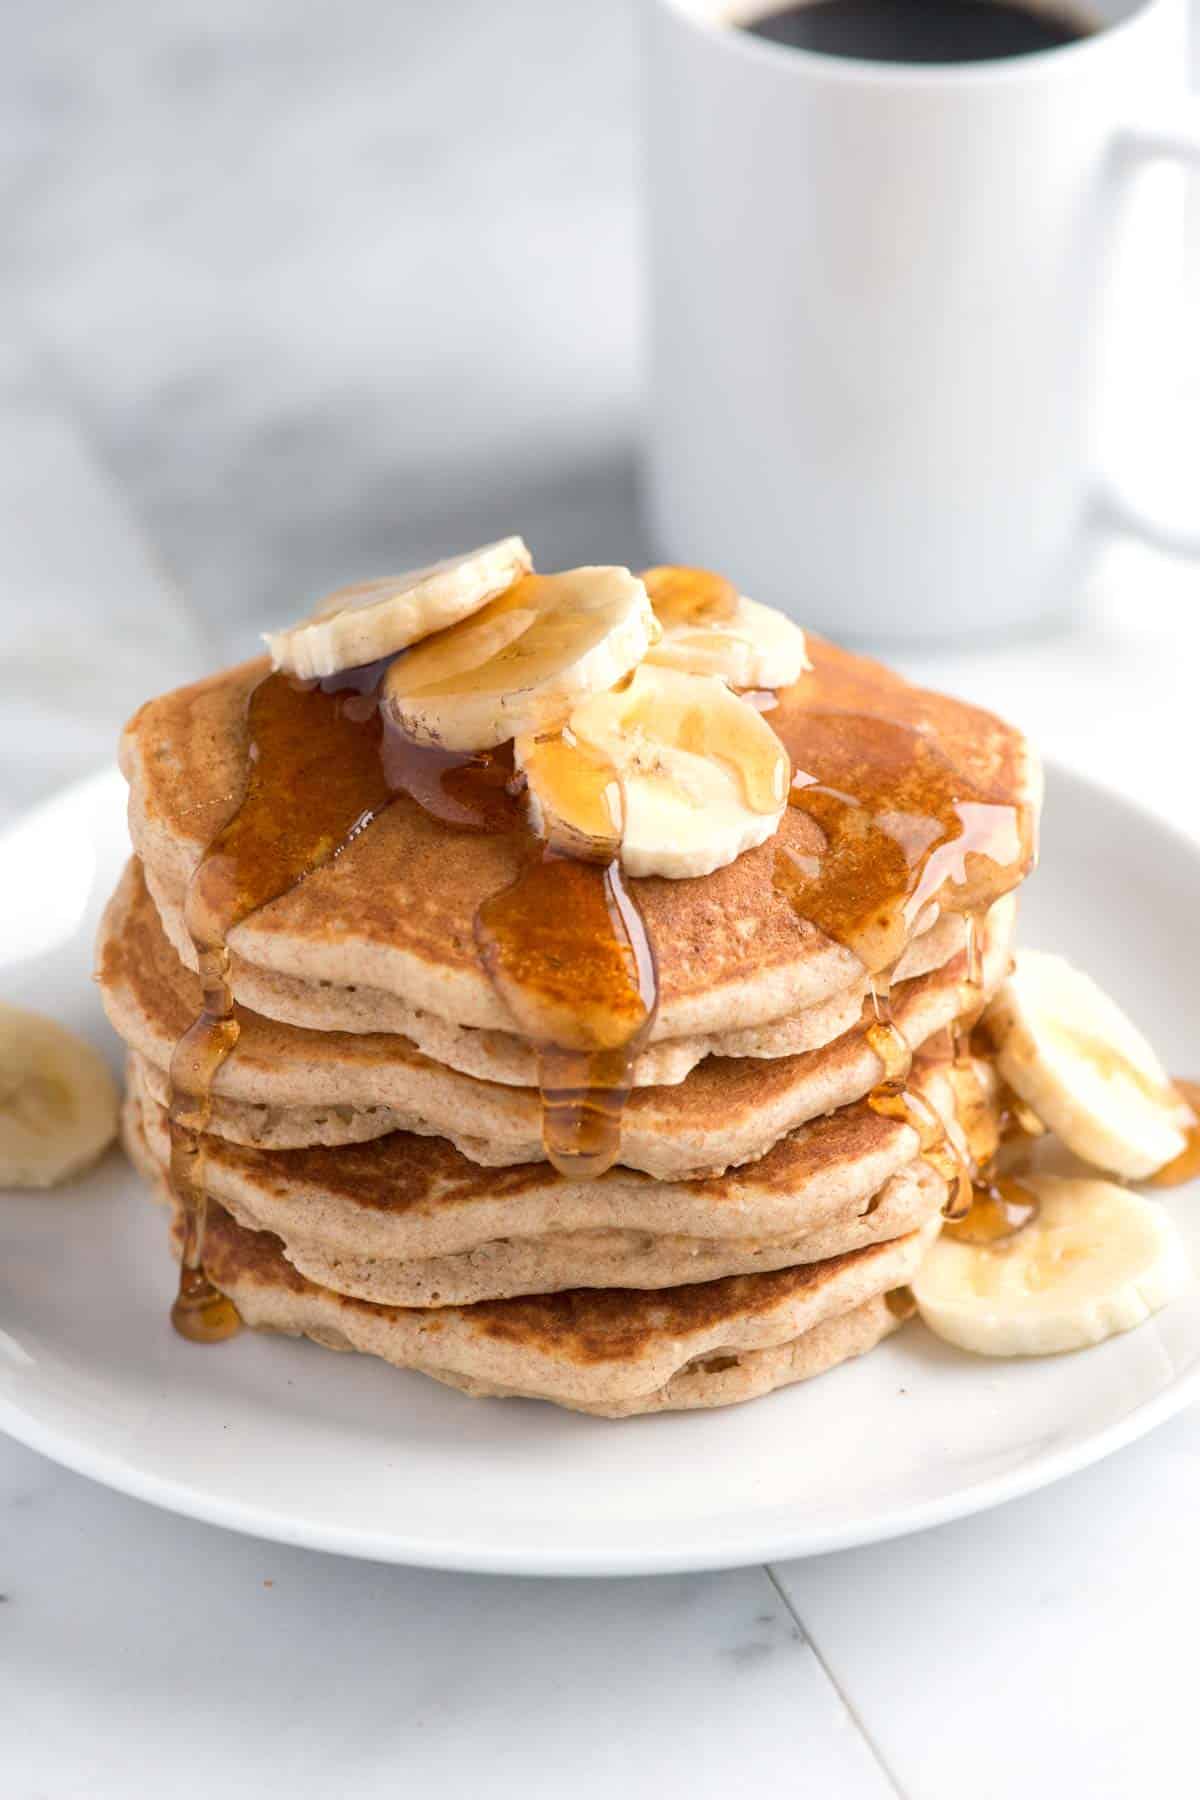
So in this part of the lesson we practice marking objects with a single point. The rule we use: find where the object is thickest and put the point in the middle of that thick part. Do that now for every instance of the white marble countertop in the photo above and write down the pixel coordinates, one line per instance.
(220, 360)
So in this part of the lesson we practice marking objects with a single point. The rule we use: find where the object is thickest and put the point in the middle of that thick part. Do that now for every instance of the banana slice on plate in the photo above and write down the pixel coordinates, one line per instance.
(674, 769)
(522, 662)
(373, 619)
(1071, 1054)
(1095, 1260)
(58, 1101)
(708, 628)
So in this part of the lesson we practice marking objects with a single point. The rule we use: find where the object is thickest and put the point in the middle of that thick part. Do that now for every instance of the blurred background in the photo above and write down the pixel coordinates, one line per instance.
(331, 285)
(293, 294)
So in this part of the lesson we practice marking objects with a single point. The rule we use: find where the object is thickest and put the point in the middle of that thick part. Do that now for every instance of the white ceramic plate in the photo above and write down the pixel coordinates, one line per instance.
(343, 1453)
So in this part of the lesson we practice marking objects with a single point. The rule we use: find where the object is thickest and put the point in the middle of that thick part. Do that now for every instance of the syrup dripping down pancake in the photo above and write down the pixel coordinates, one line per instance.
(345, 1218)
(287, 1087)
(395, 913)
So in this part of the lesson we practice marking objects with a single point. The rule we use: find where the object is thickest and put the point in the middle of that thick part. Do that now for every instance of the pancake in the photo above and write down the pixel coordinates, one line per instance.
(287, 1087)
(731, 1379)
(372, 1154)
(614, 1352)
(508, 1269)
(395, 912)
(406, 1197)
(351, 1232)
(499, 1055)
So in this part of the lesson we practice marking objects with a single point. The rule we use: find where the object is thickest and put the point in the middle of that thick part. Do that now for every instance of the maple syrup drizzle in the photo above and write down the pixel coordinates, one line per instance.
(567, 950)
(901, 1303)
(582, 799)
(1186, 1166)
(894, 1098)
(1001, 1206)
(683, 596)
(902, 826)
(974, 999)
(314, 781)
(898, 832)
(321, 765)
(564, 943)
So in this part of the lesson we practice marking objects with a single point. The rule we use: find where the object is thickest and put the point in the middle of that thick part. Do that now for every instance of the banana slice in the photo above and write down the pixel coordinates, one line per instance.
(708, 628)
(58, 1102)
(360, 624)
(1095, 1260)
(524, 661)
(1070, 1053)
(673, 768)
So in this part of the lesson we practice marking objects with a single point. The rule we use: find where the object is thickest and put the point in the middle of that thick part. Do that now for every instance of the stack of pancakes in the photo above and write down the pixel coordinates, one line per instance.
(374, 1155)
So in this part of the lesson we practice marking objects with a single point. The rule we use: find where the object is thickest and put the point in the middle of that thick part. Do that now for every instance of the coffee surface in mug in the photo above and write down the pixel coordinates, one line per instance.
(920, 31)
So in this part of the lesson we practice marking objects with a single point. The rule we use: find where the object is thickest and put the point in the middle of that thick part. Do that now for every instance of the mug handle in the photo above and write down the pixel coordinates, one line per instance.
(1173, 140)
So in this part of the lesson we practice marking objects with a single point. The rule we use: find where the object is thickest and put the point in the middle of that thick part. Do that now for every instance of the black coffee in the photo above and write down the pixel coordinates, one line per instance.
(920, 31)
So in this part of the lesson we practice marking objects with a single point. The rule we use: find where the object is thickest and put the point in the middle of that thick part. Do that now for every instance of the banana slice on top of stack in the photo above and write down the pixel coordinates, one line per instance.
(523, 660)
(687, 774)
(373, 619)
(617, 691)
(709, 628)
(664, 767)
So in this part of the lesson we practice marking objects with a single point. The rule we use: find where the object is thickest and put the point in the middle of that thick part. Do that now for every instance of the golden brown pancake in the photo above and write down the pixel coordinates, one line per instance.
(500, 1055)
(346, 1218)
(373, 1151)
(286, 1087)
(613, 1352)
(396, 911)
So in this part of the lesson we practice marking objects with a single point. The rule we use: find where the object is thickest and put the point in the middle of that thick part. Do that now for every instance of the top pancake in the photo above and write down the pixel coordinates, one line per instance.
(395, 911)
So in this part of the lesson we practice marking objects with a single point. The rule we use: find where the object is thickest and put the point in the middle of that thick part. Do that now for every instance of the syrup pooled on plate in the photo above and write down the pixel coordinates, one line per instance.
(1186, 1166)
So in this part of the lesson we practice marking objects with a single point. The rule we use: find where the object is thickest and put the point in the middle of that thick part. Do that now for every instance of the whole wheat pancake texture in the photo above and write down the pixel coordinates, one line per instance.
(395, 914)
(615, 1352)
(287, 1086)
(502, 1056)
(374, 1156)
(353, 1231)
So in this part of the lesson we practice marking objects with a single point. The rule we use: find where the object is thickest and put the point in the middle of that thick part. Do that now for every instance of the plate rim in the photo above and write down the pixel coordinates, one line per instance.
(699, 1553)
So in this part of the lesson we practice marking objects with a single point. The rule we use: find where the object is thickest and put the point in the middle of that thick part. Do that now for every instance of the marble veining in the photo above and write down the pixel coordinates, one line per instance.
(334, 292)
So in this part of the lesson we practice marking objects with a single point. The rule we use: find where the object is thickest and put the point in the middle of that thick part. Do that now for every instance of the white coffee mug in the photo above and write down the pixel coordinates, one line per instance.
(882, 319)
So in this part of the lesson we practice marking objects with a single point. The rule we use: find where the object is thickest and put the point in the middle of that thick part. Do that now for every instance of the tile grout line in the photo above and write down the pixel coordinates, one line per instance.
(851, 1710)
